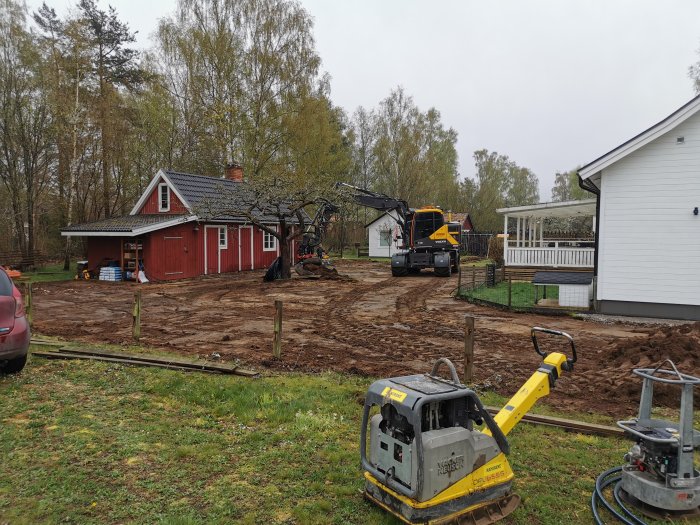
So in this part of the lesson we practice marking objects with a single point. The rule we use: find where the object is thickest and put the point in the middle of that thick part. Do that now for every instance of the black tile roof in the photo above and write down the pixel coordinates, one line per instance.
(205, 196)
(126, 223)
(562, 278)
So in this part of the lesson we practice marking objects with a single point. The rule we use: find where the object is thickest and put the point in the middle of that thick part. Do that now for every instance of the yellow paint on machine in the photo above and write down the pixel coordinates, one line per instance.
(443, 233)
(394, 395)
(525, 398)
(494, 473)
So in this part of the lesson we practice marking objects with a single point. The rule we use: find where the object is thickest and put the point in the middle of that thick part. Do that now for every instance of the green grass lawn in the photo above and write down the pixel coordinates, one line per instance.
(49, 272)
(88, 442)
(523, 294)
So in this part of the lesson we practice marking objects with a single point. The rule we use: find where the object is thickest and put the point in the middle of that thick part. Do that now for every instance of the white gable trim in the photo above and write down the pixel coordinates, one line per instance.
(674, 119)
(149, 190)
(381, 217)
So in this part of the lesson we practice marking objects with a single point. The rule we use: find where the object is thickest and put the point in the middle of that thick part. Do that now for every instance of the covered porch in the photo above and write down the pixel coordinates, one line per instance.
(529, 247)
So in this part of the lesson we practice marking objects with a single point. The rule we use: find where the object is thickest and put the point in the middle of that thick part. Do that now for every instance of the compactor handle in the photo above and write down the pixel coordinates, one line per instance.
(450, 366)
(570, 362)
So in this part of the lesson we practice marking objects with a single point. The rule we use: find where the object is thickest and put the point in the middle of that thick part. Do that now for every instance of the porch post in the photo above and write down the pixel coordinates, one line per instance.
(505, 240)
(542, 232)
(517, 234)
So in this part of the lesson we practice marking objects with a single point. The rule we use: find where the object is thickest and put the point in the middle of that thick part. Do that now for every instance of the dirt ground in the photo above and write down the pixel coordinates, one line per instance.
(373, 325)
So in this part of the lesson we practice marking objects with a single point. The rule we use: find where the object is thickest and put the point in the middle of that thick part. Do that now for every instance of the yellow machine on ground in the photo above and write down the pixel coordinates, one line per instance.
(428, 463)
(427, 240)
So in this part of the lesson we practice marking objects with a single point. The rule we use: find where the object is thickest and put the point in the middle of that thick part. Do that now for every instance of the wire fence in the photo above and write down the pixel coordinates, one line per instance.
(494, 286)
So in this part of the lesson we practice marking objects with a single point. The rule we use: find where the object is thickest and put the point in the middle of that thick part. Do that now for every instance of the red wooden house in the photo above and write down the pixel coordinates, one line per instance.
(464, 219)
(165, 238)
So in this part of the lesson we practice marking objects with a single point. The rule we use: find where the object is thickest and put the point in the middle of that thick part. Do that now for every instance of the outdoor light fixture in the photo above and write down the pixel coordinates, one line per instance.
(695, 210)
(196, 227)
(680, 140)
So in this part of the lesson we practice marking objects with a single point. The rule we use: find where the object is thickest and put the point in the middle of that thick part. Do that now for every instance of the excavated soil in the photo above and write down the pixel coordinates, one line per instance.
(373, 325)
(679, 344)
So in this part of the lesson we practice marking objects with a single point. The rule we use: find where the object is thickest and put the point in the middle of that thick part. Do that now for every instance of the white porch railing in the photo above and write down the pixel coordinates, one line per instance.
(557, 254)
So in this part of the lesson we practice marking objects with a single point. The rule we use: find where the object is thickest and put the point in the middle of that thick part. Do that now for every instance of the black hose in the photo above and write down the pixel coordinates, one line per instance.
(601, 483)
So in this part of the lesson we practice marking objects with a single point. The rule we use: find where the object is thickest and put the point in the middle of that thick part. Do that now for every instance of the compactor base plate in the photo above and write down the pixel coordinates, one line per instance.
(655, 512)
(480, 514)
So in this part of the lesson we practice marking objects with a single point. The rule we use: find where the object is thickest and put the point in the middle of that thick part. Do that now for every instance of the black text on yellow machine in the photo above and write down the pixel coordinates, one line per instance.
(427, 463)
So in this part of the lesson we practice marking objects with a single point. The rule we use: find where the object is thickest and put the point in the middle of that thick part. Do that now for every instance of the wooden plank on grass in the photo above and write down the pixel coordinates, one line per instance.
(164, 362)
(68, 355)
(44, 342)
(568, 424)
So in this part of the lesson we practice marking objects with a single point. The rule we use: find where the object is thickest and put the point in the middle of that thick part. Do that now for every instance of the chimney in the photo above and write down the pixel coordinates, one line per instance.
(234, 171)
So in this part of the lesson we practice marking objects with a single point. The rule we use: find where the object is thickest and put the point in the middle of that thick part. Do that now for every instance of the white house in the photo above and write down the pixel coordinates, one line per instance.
(648, 234)
(384, 235)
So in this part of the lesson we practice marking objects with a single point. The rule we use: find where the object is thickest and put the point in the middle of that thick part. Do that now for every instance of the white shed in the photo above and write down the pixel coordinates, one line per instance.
(648, 235)
(383, 233)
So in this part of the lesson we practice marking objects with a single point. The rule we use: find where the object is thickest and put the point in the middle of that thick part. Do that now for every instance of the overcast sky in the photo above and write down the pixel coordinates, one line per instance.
(552, 84)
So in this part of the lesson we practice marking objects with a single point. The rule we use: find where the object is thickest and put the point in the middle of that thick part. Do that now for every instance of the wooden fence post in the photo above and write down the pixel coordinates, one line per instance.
(468, 349)
(136, 316)
(510, 291)
(503, 272)
(459, 280)
(277, 340)
(473, 276)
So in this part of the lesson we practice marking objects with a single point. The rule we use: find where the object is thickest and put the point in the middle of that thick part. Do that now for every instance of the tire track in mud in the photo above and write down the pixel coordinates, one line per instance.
(377, 325)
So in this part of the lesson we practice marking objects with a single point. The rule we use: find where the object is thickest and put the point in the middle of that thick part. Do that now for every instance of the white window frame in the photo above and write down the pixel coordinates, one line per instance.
(385, 234)
(267, 245)
(160, 196)
(225, 238)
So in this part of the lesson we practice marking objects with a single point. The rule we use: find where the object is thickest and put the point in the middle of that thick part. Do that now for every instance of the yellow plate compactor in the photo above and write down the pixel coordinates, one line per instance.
(427, 462)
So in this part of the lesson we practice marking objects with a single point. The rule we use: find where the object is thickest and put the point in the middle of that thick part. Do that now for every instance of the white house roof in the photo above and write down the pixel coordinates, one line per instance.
(584, 208)
(645, 137)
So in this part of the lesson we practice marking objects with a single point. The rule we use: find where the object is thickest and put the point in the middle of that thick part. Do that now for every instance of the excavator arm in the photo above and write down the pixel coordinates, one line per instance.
(380, 202)
(313, 235)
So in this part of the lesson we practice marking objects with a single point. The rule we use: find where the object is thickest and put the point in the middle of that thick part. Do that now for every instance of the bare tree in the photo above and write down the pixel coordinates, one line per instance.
(25, 151)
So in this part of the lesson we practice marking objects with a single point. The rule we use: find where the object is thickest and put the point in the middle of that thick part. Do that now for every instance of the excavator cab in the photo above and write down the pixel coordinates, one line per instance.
(425, 222)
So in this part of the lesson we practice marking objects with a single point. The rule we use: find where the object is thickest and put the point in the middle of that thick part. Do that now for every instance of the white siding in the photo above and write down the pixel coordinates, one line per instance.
(384, 223)
(649, 249)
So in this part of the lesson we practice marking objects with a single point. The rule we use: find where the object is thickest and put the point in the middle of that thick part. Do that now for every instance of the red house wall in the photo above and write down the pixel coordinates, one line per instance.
(151, 204)
(262, 259)
(174, 253)
(177, 252)
(101, 248)
(467, 225)
(229, 256)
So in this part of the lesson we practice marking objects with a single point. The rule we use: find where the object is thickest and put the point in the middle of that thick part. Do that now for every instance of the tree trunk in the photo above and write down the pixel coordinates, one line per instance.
(71, 170)
(29, 263)
(104, 141)
(286, 269)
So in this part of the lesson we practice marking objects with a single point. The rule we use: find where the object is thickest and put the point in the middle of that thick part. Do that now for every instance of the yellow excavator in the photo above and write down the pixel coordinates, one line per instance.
(427, 462)
(427, 239)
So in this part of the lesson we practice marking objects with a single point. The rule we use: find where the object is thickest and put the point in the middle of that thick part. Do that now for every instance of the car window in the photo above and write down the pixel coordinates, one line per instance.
(5, 284)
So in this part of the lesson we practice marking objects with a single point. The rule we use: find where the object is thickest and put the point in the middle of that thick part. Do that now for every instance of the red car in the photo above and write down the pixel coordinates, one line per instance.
(14, 328)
